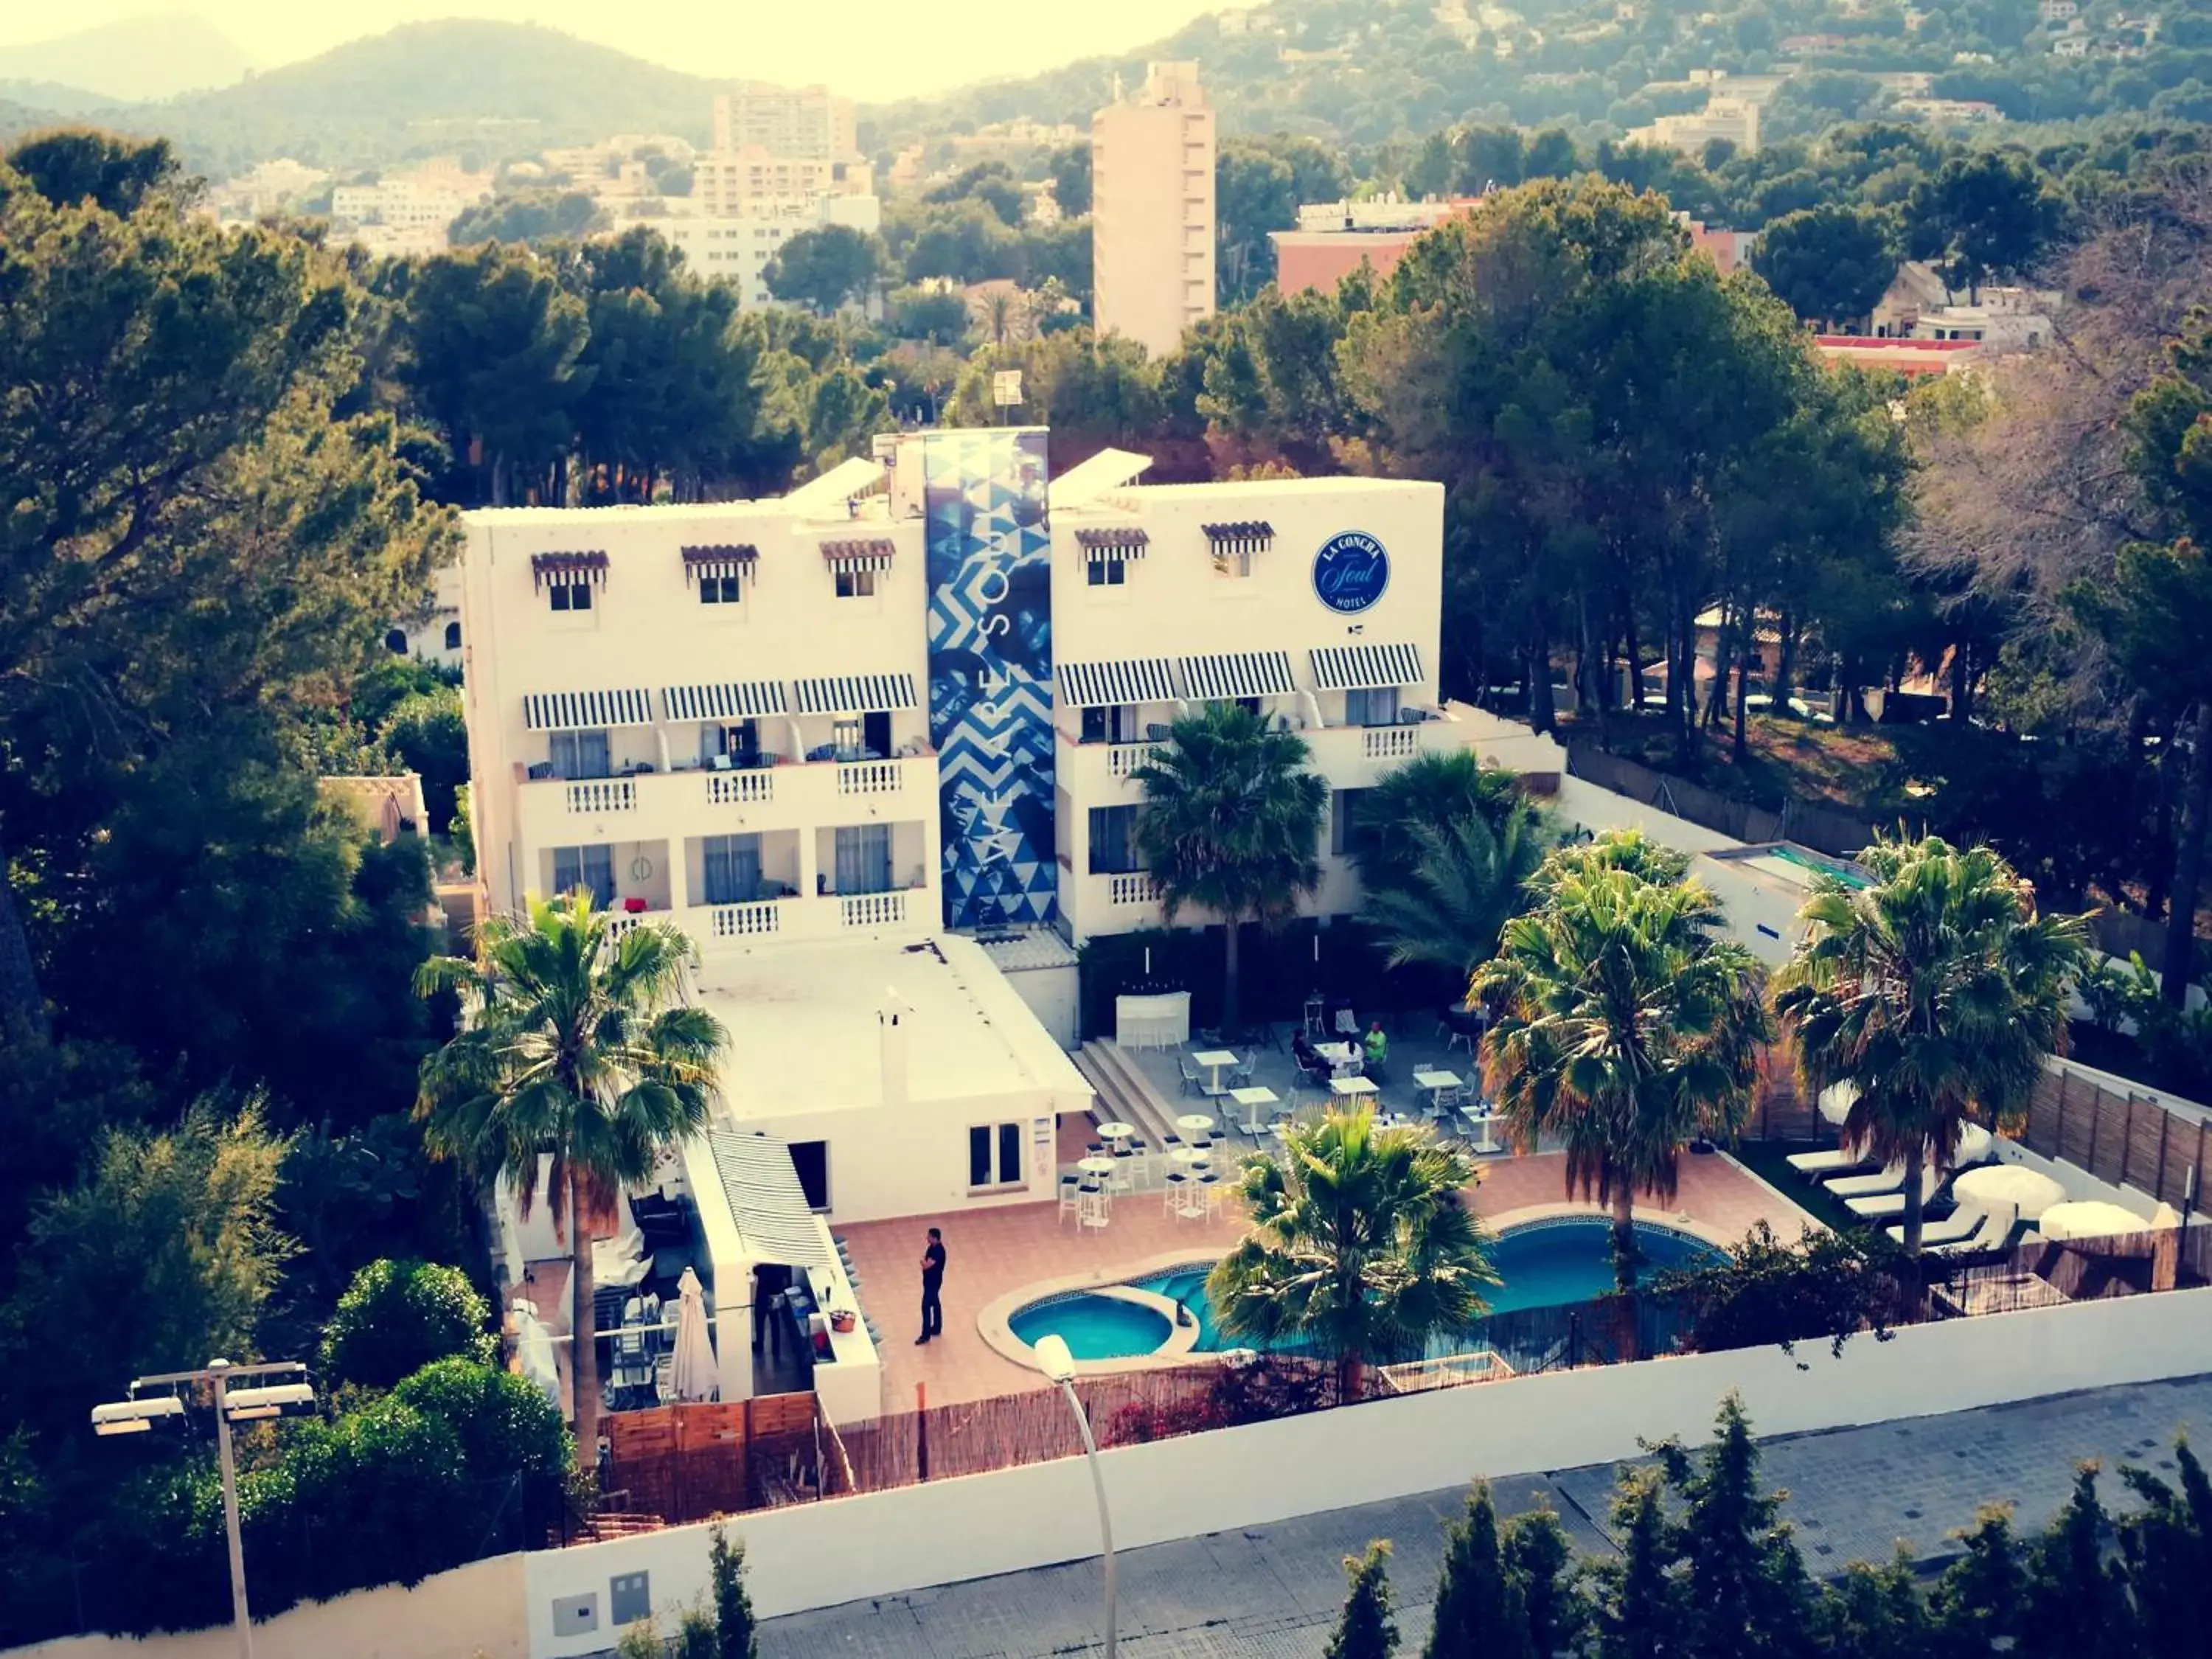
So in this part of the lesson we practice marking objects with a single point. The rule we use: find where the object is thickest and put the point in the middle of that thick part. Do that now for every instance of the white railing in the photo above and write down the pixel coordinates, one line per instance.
(745, 920)
(629, 921)
(1136, 888)
(870, 777)
(1393, 742)
(873, 909)
(603, 795)
(1123, 758)
(745, 788)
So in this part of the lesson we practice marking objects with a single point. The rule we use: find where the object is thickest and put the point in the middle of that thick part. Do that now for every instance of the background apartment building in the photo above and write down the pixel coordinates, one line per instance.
(736, 247)
(1153, 210)
(795, 121)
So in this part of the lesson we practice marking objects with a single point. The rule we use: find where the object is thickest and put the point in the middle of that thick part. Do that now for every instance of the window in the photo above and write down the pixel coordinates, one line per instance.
(569, 596)
(811, 1159)
(1106, 573)
(396, 642)
(1346, 834)
(856, 584)
(730, 865)
(591, 867)
(846, 739)
(863, 857)
(1116, 723)
(1113, 841)
(453, 636)
(581, 755)
(994, 1155)
(1235, 562)
(720, 590)
(1378, 707)
(741, 743)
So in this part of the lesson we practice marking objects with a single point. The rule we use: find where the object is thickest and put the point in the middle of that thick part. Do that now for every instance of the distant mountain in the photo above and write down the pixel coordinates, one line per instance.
(140, 58)
(496, 89)
(55, 98)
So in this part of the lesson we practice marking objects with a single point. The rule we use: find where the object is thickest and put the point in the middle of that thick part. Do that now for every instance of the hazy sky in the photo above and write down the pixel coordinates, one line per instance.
(872, 49)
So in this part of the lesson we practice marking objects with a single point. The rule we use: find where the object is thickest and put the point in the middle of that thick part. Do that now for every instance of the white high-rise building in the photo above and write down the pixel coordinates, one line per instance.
(1153, 210)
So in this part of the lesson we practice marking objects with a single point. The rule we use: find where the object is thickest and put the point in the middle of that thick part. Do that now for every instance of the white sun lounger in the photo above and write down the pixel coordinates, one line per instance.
(1837, 1160)
(1960, 1227)
(1891, 1180)
(1879, 1206)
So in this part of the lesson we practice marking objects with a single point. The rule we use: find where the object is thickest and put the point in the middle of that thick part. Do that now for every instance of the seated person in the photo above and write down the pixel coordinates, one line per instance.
(1375, 1050)
(1302, 1052)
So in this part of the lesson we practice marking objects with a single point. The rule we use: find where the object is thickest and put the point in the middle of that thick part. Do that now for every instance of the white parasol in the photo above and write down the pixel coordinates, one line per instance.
(693, 1375)
(1837, 1100)
(2089, 1218)
(1974, 1144)
(2007, 1186)
(533, 1350)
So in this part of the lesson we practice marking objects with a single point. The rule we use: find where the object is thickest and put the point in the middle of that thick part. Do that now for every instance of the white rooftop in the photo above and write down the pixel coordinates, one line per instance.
(805, 1034)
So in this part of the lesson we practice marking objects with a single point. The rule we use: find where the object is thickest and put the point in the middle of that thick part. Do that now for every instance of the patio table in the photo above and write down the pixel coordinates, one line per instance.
(1194, 1123)
(1095, 1164)
(1215, 1058)
(1436, 1083)
(1342, 1057)
(1352, 1088)
(1191, 1156)
(1117, 1131)
(1252, 1099)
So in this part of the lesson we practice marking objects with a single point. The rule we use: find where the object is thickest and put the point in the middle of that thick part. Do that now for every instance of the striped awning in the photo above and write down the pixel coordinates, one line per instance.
(568, 568)
(587, 711)
(1366, 667)
(873, 554)
(856, 694)
(1108, 685)
(1126, 543)
(704, 563)
(1237, 674)
(1240, 536)
(732, 699)
(775, 1222)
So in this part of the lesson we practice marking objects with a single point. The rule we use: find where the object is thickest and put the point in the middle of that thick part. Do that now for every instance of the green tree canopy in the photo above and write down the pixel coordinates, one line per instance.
(397, 1316)
(1829, 264)
(826, 269)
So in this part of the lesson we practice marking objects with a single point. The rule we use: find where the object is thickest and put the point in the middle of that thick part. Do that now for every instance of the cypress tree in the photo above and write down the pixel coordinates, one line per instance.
(737, 1635)
(1479, 1610)
(1637, 1604)
(2168, 1548)
(1749, 1597)
(1539, 1564)
(2076, 1604)
(1366, 1630)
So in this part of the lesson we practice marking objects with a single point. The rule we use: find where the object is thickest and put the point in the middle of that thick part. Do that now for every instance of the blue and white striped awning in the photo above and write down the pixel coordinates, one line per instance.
(1365, 667)
(587, 711)
(1108, 685)
(1237, 674)
(775, 1222)
(869, 553)
(732, 699)
(856, 694)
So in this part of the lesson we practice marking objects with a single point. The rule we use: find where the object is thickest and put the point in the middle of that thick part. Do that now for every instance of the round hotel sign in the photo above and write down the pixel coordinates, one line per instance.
(1350, 571)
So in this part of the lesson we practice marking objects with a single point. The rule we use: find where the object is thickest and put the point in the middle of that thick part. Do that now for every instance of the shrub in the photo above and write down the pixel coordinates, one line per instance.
(397, 1316)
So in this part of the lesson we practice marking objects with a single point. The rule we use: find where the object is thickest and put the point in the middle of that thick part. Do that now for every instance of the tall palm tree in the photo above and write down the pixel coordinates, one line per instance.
(1469, 881)
(1628, 1029)
(1436, 790)
(1938, 992)
(577, 1047)
(1360, 1240)
(1231, 824)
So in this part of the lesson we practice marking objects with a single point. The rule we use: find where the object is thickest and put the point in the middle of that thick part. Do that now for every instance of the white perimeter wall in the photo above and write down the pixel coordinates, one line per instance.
(821, 1554)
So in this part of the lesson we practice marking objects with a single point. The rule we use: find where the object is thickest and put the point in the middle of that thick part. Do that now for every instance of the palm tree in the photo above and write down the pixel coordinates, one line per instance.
(578, 1047)
(1436, 790)
(1469, 881)
(1629, 1030)
(1360, 1241)
(1231, 822)
(1938, 992)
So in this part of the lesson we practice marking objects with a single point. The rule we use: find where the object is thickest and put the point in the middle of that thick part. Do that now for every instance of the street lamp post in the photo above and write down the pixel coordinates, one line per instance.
(1057, 1363)
(132, 1415)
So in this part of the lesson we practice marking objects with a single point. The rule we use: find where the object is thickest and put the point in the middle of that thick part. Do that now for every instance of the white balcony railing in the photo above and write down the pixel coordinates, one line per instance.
(746, 788)
(629, 921)
(745, 920)
(595, 795)
(1123, 758)
(871, 910)
(1134, 888)
(1393, 742)
(870, 777)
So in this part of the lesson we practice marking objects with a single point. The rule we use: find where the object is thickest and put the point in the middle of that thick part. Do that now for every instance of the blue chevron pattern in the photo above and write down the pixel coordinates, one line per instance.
(989, 548)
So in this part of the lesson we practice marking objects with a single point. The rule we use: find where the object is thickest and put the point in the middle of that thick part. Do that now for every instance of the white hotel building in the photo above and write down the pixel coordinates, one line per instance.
(871, 745)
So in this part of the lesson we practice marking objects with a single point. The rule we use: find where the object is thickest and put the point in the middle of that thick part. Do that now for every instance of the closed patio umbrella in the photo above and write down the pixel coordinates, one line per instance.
(693, 1375)
(2009, 1185)
(1837, 1100)
(2089, 1218)
(533, 1350)
(1974, 1144)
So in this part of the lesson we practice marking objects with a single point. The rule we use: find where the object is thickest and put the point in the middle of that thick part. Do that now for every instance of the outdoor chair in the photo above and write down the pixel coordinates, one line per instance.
(1960, 1227)
(1068, 1185)
(1172, 1188)
(1890, 1180)
(1240, 1077)
(1881, 1207)
(1192, 1081)
(1836, 1160)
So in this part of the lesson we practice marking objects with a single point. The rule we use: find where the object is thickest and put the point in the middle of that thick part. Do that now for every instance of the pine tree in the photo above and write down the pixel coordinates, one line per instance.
(2076, 1605)
(1976, 1603)
(736, 1637)
(1366, 1630)
(1539, 1564)
(1749, 1596)
(1875, 1612)
(1638, 1607)
(2168, 1548)
(1479, 1610)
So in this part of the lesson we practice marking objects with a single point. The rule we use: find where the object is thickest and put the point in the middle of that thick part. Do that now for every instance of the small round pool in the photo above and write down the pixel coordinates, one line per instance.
(1542, 1264)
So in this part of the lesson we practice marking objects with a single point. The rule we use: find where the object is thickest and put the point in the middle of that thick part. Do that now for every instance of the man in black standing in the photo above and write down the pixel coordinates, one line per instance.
(933, 1280)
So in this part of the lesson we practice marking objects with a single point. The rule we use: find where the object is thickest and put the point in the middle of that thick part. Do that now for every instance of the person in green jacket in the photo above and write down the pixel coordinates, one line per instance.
(1377, 1050)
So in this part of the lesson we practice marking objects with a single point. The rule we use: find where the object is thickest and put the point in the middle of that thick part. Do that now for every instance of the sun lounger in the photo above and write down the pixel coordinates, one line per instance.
(1881, 1207)
(1891, 1180)
(1960, 1227)
(1837, 1160)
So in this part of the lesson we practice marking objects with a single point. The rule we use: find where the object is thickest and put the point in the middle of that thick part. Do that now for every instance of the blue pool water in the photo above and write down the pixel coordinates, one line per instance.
(1545, 1264)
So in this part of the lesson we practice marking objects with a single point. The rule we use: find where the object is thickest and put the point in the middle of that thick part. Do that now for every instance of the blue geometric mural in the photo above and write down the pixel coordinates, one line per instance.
(990, 671)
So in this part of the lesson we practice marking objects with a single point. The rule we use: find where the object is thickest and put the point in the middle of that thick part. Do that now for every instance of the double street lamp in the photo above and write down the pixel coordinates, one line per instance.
(1055, 1360)
(135, 1415)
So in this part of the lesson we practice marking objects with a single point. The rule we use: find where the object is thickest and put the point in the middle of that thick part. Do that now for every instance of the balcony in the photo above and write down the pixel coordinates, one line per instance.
(795, 795)
(1135, 887)
(829, 915)
(593, 796)
(1122, 759)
